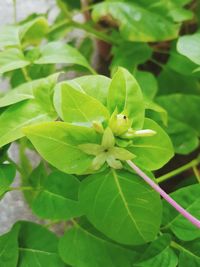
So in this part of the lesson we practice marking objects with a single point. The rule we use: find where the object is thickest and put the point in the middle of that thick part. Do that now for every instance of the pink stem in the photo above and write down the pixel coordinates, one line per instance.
(170, 200)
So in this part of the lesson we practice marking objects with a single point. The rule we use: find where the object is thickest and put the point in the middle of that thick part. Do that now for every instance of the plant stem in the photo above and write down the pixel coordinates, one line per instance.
(170, 200)
(162, 66)
(15, 164)
(196, 172)
(50, 224)
(20, 188)
(181, 169)
(26, 75)
(99, 34)
(89, 29)
(178, 247)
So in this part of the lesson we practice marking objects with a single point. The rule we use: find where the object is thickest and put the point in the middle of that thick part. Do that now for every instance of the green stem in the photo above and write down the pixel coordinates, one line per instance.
(21, 188)
(24, 161)
(161, 51)
(50, 224)
(181, 169)
(14, 164)
(178, 247)
(162, 66)
(26, 75)
(196, 173)
(99, 34)
(89, 29)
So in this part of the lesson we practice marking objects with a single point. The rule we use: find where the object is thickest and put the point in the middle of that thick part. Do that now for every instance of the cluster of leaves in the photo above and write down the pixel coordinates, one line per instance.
(86, 128)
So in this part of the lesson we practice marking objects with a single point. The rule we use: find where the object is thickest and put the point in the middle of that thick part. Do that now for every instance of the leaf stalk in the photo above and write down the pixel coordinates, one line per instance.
(170, 200)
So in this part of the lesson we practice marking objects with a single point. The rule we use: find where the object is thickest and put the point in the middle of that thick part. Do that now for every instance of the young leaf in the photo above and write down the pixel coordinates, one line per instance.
(152, 152)
(9, 248)
(12, 59)
(92, 249)
(122, 206)
(7, 175)
(19, 115)
(58, 197)
(32, 32)
(188, 46)
(94, 85)
(57, 142)
(189, 198)
(25, 91)
(133, 21)
(77, 107)
(125, 95)
(57, 53)
(37, 246)
(157, 254)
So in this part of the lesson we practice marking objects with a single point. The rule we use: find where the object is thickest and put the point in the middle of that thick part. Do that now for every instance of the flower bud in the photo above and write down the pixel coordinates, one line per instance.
(119, 123)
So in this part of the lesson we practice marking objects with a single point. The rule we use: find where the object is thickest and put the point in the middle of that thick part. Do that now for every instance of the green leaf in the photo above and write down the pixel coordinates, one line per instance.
(189, 198)
(129, 55)
(150, 105)
(171, 9)
(96, 86)
(28, 112)
(9, 248)
(184, 138)
(86, 48)
(125, 95)
(69, 4)
(133, 21)
(188, 46)
(158, 254)
(171, 82)
(122, 206)
(3, 153)
(19, 115)
(181, 64)
(37, 246)
(60, 53)
(7, 175)
(16, 95)
(32, 32)
(59, 138)
(184, 126)
(152, 152)
(9, 36)
(189, 253)
(27, 90)
(12, 59)
(35, 180)
(148, 83)
(77, 107)
(58, 197)
(92, 249)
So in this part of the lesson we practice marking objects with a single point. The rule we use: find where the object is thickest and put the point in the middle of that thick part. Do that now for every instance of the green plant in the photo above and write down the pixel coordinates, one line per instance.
(103, 140)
